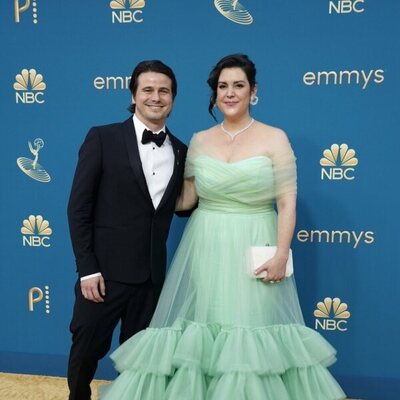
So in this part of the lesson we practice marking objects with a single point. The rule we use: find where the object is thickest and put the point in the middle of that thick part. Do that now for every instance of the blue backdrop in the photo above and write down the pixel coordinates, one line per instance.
(328, 74)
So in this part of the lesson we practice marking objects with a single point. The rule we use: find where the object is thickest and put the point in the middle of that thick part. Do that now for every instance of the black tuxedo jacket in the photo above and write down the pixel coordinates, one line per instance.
(114, 227)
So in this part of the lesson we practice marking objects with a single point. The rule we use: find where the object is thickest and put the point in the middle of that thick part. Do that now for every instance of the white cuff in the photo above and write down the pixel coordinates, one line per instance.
(90, 276)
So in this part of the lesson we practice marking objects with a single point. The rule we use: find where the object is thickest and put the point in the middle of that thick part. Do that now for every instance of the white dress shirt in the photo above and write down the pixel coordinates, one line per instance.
(157, 165)
(157, 162)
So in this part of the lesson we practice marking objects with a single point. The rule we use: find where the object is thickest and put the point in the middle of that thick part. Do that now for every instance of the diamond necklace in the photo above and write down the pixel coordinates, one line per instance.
(233, 135)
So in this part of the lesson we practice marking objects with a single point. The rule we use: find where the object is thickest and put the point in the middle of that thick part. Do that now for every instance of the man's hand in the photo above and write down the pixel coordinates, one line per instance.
(94, 289)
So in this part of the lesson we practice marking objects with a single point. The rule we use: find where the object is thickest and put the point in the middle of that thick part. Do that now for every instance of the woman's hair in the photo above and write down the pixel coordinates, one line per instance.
(232, 61)
(151, 66)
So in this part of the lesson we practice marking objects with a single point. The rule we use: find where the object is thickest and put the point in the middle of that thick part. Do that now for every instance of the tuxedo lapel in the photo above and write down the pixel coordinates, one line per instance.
(177, 161)
(134, 156)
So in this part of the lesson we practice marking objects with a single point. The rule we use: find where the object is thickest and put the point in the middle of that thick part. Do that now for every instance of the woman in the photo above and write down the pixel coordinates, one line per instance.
(219, 332)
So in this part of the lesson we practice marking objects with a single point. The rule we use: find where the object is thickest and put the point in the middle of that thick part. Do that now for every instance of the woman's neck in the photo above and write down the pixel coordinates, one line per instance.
(233, 133)
(234, 124)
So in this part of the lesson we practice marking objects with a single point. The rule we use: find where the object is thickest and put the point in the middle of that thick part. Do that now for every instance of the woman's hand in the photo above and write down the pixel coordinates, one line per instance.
(275, 268)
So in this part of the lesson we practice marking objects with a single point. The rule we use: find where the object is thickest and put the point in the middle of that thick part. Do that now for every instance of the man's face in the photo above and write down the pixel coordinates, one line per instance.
(153, 99)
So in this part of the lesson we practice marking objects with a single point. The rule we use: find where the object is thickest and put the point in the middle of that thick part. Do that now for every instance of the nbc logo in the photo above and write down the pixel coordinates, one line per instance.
(31, 167)
(346, 6)
(338, 162)
(18, 9)
(333, 314)
(36, 295)
(234, 11)
(36, 232)
(29, 87)
(127, 11)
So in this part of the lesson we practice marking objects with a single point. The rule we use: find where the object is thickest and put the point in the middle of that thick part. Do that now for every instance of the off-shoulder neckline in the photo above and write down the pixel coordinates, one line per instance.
(235, 162)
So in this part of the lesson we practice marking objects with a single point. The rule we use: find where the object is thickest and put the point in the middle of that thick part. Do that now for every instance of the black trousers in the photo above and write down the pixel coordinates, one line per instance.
(93, 324)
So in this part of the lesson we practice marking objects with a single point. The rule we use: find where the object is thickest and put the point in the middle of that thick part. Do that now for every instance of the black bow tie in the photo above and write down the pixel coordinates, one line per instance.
(157, 138)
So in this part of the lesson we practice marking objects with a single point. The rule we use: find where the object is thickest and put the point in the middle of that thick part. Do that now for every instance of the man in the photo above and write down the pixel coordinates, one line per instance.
(122, 201)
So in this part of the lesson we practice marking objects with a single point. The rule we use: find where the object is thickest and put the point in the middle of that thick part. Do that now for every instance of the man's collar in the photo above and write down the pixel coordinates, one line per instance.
(140, 126)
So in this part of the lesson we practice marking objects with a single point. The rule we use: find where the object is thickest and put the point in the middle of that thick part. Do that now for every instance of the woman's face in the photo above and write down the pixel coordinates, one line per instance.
(233, 93)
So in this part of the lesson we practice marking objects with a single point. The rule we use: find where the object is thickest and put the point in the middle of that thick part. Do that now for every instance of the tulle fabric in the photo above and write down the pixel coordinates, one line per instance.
(199, 361)
(281, 180)
(217, 332)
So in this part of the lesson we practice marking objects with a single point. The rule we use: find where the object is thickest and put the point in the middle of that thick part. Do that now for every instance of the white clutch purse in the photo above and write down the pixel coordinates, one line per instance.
(261, 254)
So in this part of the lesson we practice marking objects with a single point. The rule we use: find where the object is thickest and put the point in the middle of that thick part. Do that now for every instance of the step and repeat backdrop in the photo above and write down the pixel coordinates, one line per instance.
(328, 74)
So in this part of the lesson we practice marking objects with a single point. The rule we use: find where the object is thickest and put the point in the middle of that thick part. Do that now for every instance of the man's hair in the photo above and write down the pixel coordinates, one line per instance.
(151, 66)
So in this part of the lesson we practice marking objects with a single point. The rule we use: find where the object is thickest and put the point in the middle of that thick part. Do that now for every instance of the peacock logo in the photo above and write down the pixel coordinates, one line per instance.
(36, 231)
(127, 11)
(29, 80)
(338, 162)
(331, 314)
(339, 156)
(124, 4)
(29, 86)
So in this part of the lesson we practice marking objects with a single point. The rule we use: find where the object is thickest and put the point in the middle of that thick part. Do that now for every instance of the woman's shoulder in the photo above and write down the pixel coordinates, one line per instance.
(271, 132)
(202, 137)
(275, 139)
(205, 134)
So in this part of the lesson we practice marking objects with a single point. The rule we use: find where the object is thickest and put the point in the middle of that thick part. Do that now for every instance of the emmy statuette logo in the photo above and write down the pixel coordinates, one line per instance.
(22, 6)
(346, 6)
(31, 167)
(234, 11)
(29, 87)
(36, 295)
(36, 232)
(338, 162)
(127, 11)
(331, 315)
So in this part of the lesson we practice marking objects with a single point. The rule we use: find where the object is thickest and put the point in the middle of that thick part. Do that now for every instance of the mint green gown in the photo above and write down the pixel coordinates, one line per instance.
(218, 333)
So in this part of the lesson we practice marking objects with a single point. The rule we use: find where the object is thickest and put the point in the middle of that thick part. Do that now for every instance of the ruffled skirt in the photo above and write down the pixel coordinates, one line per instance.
(218, 333)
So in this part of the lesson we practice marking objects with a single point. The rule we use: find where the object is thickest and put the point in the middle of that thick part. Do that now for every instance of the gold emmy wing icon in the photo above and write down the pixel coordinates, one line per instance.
(31, 167)
(123, 4)
(234, 11)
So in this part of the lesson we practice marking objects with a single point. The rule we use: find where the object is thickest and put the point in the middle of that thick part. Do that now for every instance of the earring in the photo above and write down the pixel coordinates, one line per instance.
(254, 100)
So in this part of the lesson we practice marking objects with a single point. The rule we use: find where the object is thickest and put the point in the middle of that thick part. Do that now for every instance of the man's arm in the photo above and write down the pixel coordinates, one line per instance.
(82, 203)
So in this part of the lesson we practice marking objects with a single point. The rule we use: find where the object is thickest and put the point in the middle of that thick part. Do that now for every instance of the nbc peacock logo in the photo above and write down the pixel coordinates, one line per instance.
(338, 163)
(36, 232)
(331, 314)
(234, 11)
(24, 5)
(127, 11)
(29, 87)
